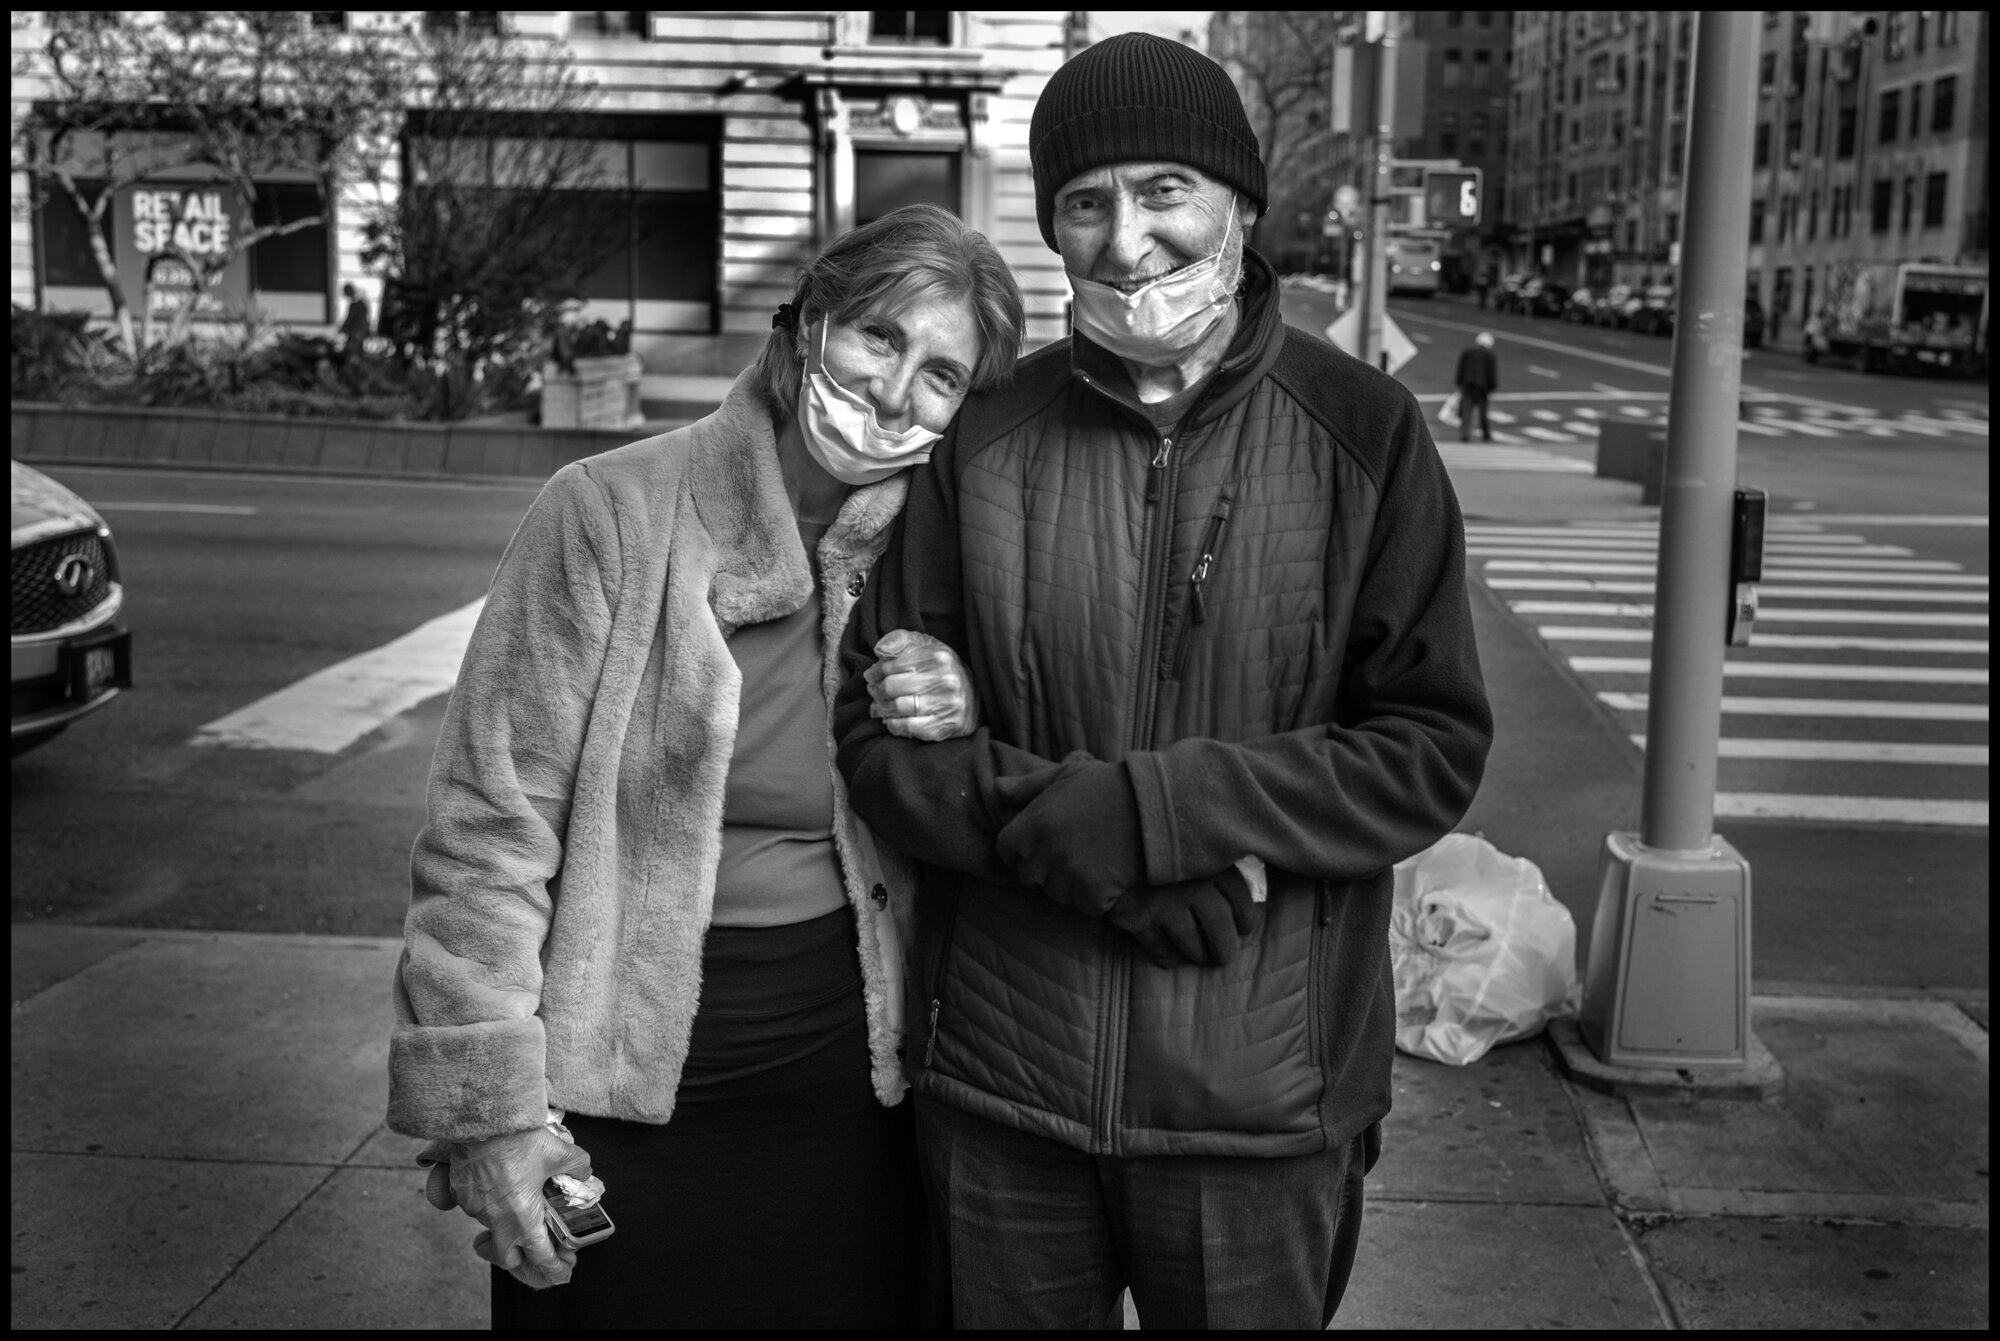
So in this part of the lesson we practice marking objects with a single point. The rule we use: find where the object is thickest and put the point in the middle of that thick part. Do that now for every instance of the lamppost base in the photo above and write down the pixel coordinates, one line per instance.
(1759, 1079)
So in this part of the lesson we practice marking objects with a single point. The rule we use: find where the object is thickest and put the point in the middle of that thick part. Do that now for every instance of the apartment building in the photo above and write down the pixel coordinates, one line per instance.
(749, 137)
(1869, 144)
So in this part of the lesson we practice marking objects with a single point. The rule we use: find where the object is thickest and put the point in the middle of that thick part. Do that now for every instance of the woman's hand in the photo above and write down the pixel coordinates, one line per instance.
(920, 688)
(498, 1182)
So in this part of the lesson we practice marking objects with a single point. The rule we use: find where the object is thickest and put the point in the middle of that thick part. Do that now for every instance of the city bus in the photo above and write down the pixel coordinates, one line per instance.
(1416, 265)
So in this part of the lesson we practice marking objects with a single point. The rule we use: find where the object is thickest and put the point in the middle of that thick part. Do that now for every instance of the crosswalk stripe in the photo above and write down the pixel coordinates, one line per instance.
(1537, 548)
(1797, 670)
(1630, 610)
(1848, 751)
(1851, 809)
(1819, 707)
(1864, 570)
(1812, 430)
(1817, 642)
(331, 709)
(1768, 592)
(1906, 579)
(1762, 430)
(1546, 434)
(1643, 560)
(1649, 537)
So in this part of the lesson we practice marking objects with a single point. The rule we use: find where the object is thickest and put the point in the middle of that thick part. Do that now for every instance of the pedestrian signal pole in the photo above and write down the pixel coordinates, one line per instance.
(1667, 985)
(1377, 291)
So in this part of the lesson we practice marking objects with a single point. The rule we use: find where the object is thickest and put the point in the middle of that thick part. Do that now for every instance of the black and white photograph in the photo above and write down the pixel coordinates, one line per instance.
(1031, 669)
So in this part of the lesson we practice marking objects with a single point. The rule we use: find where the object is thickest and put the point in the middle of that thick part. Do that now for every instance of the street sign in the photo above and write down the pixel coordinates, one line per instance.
(1345, 335)
(1452, 198)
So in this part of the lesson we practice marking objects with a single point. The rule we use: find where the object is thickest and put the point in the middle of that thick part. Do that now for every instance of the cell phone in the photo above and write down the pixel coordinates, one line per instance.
(573, 1226)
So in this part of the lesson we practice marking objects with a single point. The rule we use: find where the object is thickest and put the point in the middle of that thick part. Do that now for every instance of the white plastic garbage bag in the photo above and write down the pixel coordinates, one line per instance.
(1482, 952)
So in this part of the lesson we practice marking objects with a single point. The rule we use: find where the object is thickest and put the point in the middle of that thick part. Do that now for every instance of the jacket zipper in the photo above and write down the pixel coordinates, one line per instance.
(937, 977)
(1204, 568)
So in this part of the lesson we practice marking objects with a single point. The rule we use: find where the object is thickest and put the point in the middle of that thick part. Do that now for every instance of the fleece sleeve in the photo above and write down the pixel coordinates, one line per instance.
(467, 1054)
(941, 802)
(1400, 763)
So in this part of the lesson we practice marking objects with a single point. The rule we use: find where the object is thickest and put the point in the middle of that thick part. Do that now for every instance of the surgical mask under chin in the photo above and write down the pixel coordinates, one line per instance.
(1161, 321)
(843, 435)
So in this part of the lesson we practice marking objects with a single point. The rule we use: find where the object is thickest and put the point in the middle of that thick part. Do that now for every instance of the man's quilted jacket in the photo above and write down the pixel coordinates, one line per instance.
(1308, 693)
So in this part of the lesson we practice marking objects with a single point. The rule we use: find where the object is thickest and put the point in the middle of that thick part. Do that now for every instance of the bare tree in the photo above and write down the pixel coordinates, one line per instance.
(233, 95)
(1282, 61)
(507, 204)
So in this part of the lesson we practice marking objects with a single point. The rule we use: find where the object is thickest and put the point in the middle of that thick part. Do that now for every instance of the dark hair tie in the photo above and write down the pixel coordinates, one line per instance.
(786, 318)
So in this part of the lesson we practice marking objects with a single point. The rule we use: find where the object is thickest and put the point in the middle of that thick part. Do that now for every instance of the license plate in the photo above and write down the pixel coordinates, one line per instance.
(99, 663)
(100, 668)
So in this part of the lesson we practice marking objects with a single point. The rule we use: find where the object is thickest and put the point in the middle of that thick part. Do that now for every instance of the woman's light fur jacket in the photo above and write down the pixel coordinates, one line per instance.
(564, 880)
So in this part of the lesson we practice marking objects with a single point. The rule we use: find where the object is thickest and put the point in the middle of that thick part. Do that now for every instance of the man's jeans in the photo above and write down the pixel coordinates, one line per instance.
(1042, 1235)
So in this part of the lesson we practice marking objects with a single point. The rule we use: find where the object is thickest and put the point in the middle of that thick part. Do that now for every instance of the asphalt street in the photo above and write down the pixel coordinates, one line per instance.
(295, 637)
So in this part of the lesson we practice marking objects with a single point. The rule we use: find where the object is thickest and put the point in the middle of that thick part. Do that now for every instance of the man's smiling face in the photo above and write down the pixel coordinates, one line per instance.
(1127, 224)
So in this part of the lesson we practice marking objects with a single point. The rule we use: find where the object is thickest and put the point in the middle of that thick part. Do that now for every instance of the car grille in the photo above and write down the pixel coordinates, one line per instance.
(37, 604)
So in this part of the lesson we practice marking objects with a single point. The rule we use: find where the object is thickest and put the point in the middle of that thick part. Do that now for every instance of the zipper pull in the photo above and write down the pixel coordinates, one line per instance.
(930, 1047)
(1211, 545)
(1160, 457)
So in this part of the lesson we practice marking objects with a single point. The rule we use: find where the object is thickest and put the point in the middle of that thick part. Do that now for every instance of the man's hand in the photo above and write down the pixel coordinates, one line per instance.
(920, 688)
(1200, 922)
(498, 1182)
(1079, 841)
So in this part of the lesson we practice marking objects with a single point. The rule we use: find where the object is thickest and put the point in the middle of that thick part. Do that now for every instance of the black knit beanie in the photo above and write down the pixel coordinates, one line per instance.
(1135, 98)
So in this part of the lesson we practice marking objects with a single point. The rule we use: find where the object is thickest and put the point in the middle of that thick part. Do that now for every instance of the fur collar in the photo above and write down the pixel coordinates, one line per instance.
(738, 491)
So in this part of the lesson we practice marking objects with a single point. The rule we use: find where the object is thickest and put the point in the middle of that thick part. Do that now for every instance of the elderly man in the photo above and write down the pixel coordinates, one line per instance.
(1208, 576)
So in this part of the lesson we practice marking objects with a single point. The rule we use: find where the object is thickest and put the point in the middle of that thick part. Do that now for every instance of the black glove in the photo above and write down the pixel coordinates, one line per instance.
(1194, 922)
(1079, 841)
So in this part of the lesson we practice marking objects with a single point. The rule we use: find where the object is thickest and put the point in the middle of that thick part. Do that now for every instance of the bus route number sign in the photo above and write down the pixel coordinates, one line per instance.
(1452, 198)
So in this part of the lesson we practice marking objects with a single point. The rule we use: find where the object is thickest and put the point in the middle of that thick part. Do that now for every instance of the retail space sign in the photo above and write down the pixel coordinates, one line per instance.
(159, 224)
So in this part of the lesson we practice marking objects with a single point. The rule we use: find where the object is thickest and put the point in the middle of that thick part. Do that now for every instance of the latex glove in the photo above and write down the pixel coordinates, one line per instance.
(1079, 841)
(498, 1182)
(920, 688)
(1200, 922)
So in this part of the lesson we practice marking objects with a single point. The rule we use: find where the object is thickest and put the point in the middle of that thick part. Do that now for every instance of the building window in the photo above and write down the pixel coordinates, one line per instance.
(1756, 221)
(1882, 207)
(607, 22)
(1767, 74)
(1760, 154)
(1812, 216)
(1944, 104)
(461, 20)
(1934, 188)
(1909, 200)
(1482, 69)
(327, 20)
(1454, 73)
(1923, 27)
(1483, 17)
(1896, 34)
(1843, 138)
(1947, 28)
(1916, 110)
(1891, 118)
(888, 179)
(1454, 18)
(1673, 227)
(910, 27)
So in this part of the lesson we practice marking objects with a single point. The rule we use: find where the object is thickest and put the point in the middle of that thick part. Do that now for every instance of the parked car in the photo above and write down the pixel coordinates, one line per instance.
(1617, 306)
(1753, 322)
(71, 654)
(1548, 300)
(1655, 314)
(1507, 294)
(1580, 306)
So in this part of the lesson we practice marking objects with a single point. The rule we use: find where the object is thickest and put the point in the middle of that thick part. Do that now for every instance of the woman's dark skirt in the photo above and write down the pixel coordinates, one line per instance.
(782, 1193)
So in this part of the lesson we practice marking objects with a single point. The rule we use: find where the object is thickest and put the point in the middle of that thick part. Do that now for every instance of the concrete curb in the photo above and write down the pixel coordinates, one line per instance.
(208, 439)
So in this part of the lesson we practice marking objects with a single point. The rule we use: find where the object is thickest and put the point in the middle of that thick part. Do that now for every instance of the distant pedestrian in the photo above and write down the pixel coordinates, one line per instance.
(355, 328)
(1478, 377)
(1483, 282)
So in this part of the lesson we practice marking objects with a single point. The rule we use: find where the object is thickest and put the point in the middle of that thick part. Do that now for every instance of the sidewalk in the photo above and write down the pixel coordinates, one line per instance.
(198, 1142)
(198, 1136)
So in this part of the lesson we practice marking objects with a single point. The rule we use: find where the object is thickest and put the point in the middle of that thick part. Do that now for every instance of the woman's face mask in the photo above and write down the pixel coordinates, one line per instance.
(842, 432)
(1160, 322)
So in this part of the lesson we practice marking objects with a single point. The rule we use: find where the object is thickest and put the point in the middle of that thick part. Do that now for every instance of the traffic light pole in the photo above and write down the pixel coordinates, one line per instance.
(1668, 979)
(1377, 292)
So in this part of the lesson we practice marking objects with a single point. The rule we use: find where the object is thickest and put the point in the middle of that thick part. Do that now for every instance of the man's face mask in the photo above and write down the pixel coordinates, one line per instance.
(1159, 322)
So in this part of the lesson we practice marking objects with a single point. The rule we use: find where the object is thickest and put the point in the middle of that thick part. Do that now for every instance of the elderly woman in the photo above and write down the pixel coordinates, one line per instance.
(647, 937)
